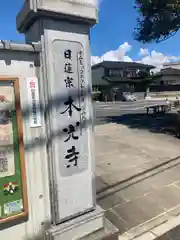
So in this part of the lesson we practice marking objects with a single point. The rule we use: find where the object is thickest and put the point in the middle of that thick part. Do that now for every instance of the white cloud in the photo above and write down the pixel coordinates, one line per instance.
(158, 59)
(143, 52)
(114, 55)
(154, 58)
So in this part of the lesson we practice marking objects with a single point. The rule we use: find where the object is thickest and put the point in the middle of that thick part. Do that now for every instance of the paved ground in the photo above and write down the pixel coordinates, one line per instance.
(103, 110)
(138, 167)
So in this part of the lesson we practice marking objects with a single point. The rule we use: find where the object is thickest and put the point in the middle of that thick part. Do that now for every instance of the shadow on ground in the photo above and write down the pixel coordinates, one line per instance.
(173, 234)
(161, 123)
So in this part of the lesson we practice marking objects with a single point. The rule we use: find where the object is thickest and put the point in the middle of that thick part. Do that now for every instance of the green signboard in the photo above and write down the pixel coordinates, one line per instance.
(13, 192)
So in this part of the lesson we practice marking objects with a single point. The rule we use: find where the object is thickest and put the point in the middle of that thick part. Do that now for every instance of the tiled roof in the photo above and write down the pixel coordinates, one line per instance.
(170, 71)
(121, 65)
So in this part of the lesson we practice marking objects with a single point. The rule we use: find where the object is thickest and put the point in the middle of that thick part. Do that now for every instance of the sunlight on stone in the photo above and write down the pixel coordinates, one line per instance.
(94, 2)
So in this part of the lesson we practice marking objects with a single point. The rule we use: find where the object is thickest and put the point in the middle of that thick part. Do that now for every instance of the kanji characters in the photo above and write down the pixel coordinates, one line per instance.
(70, 105)
(68, 68)
(72, 157)
(69, 82)
(68, 54)
(72, 153)
(70, 131)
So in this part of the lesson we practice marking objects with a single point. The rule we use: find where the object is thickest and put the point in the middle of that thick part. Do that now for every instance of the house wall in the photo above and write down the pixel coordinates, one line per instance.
(22, 65)
(167, 84)
(119, 82)
(168, 80)
(97, 74)
(172, 79)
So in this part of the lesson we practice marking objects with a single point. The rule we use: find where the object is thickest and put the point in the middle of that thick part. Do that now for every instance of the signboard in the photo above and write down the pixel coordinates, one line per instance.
(74, 155)
(34, 104)
(13, 195)
(73, 176)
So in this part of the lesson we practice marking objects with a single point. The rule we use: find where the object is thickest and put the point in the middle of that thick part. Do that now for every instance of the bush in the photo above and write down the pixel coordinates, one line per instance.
(177, 103)
(95, 96)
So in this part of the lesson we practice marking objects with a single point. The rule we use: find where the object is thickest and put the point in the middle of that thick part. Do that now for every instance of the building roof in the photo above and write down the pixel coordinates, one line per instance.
(121, 65)
(170, 71)
(168, 64)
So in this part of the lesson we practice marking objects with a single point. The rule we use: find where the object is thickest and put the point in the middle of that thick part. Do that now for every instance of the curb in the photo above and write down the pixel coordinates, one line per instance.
(156, 232)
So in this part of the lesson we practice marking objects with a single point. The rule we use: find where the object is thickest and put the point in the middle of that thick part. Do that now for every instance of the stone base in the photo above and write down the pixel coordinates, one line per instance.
(91, 225)
(109, 232)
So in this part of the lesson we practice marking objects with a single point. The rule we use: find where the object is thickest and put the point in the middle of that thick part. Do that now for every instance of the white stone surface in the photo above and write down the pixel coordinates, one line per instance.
(79, 227)
(86, 10)
(73, 186)
(80, 8)
(21, 65)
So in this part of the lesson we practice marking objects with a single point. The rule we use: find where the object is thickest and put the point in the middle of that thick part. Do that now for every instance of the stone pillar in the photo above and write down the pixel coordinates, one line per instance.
(62, 27)
(146, 92)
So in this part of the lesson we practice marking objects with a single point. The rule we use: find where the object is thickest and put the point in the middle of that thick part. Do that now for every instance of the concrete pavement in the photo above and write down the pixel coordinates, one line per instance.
(138, 177)
(102, 109)
(140, 104)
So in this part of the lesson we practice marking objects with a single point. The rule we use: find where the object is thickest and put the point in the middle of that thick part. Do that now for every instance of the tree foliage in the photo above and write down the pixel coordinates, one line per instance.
(157, 20)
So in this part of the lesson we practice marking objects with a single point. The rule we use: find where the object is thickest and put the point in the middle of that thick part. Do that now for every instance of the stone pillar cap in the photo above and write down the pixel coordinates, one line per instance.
(73, 10)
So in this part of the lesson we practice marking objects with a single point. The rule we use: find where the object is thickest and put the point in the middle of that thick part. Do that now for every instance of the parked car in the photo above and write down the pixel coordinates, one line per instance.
(134, 98)
(127, 97)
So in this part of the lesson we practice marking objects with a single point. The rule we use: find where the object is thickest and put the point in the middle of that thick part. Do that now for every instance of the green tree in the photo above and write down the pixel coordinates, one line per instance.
(158, 20)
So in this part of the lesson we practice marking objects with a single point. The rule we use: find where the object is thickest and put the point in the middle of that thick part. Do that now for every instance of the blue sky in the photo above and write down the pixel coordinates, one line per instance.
(117, 19)
(9, 10)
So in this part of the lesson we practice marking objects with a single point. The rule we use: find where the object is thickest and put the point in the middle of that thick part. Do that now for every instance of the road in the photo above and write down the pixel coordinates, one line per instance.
(129, 149)
(104, 110)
